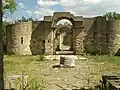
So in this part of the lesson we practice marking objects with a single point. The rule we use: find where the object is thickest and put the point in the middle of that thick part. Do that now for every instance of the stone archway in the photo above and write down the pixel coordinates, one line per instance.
(77, 38)
(63, 36)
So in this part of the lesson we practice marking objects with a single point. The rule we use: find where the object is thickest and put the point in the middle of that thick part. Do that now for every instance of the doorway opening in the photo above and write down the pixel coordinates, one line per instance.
(63, 35)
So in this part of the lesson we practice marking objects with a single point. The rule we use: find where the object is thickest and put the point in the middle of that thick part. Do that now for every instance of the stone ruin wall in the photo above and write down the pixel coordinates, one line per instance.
(37, 42)
(37, 38)
(113, 35)
(94, 35)
(48, 38)
(101, 36)
(78, 37)
(95, 31)
(18, 37)
(89, 24)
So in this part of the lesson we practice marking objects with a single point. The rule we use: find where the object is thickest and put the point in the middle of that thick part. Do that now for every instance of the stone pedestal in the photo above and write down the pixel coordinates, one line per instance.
(67, 60)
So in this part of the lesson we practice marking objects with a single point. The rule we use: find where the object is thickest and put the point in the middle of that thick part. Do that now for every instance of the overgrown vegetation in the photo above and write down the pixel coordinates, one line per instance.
(105, 58)
(41, 74)
(17, 65)
(112, 16)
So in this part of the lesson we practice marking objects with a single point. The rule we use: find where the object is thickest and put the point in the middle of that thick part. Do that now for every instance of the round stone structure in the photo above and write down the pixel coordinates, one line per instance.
(18, 38)
(113, 36)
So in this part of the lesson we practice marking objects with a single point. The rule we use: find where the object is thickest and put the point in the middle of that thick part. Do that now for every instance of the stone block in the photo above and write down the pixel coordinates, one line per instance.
(68, 60)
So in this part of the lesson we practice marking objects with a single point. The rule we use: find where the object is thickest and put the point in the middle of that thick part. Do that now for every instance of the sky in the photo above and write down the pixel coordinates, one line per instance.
(40, 8)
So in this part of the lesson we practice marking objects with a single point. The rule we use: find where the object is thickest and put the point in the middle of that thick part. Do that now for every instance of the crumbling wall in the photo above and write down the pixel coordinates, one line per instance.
(56, 40)
(30, 38)
(113, 36)
(89, 26)
(37, 42)
(97, 35)
(104, 45)
(90, 35)
(48, 37)
(18, 38)
(95, 31)
(78, 37)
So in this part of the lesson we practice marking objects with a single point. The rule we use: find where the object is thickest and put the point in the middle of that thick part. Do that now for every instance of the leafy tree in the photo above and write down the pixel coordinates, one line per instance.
(23, 19)
(4, 24)
(9, 6)
(112, 16)
(67, 24)
(1, 50)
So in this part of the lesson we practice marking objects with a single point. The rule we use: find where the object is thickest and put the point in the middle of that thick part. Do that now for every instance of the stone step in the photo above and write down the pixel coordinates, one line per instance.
(64, 52)
(64, 48)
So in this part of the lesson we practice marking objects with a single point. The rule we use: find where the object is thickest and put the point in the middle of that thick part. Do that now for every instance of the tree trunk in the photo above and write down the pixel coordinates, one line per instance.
(1, 50)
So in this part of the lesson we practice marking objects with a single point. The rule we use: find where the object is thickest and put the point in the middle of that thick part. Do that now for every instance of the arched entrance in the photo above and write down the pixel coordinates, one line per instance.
(63, 36)
(65, 41)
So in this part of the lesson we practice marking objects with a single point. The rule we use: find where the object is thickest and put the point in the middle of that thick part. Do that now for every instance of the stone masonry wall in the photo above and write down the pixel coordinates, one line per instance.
(89, 26)
(30, 38)
(95, 31)
(18, 38)
(37, 42)
(91, 35)
(104, 44)
(78, 37)
(97, 35)
(48, 37)
(113, 35)
(56, 40)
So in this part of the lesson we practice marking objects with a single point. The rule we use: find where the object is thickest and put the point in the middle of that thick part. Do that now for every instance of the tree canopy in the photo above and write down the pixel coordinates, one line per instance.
(112, 16)
(9, 6)
(24, 19)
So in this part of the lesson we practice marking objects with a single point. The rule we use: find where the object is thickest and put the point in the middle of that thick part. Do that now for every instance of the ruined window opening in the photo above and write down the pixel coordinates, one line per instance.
(48, 41)
(107, 38)
(21, 40)
(43, 41)
(43, 50)
(33, 42)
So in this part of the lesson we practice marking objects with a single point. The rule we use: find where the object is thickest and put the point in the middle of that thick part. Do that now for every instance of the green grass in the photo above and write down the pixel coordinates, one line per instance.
(18, 65)
(105, 58)
(40, 71)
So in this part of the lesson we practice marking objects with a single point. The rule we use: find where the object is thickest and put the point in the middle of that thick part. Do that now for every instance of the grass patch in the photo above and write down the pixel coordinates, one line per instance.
(105, 58)
(37, 68)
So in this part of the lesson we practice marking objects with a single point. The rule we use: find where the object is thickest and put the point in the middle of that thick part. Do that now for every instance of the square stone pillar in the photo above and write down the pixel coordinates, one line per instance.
(78, 40)
(49, 41)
